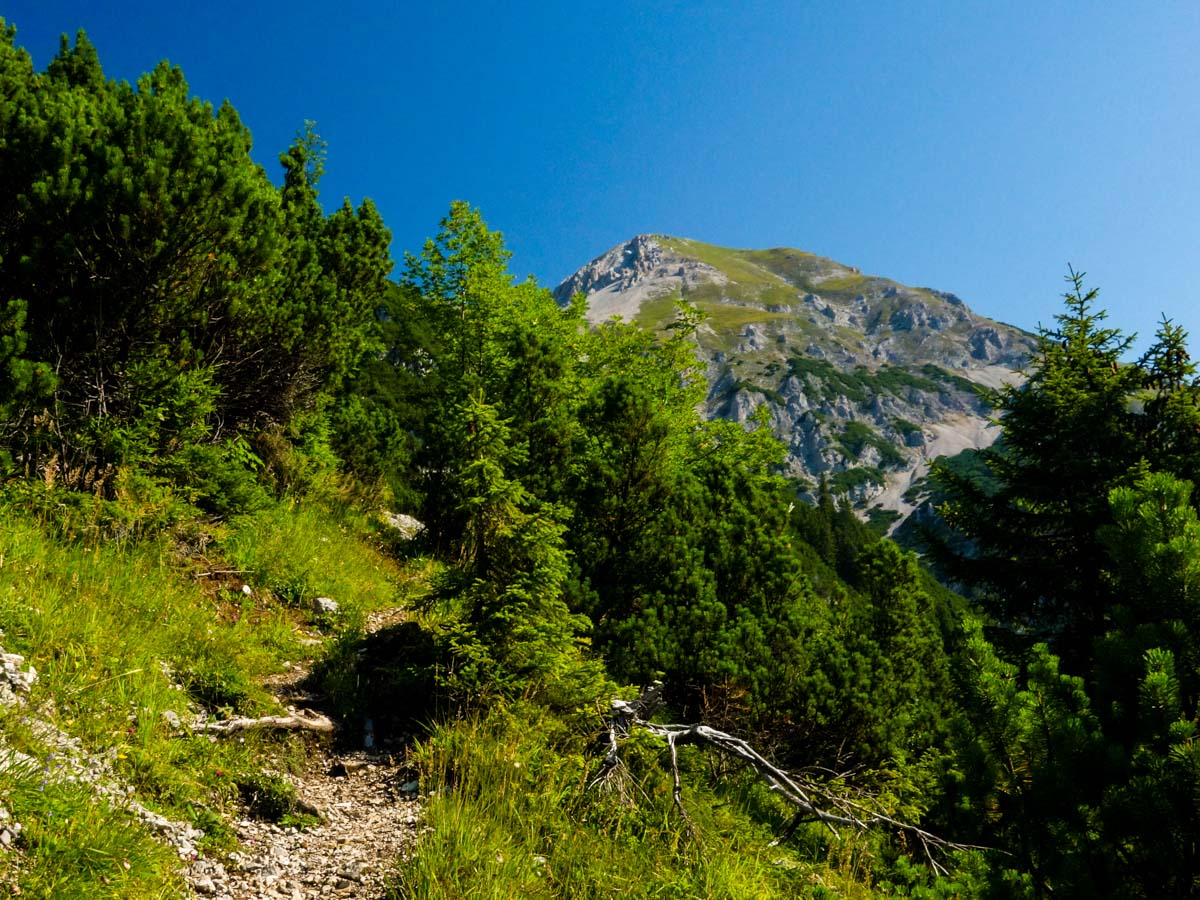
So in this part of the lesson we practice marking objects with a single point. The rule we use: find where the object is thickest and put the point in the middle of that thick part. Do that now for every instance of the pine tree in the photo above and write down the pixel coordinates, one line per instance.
(1169, 429)
(1069, 436)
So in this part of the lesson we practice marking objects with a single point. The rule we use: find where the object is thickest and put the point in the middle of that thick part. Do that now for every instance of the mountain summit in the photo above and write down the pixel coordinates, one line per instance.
(864, 379)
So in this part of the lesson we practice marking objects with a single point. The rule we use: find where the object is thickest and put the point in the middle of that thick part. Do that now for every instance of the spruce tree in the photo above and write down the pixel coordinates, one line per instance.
(1069, 436)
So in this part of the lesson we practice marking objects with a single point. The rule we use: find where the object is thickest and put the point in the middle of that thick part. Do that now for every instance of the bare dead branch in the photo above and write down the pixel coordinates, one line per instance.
(283, 723)
(811, 801)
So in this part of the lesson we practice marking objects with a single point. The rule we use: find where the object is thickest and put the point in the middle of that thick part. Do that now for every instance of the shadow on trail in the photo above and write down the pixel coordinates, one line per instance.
(383, 687)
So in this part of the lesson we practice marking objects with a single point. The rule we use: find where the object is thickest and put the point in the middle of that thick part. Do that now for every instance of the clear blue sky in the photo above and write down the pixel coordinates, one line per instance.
(973, 147)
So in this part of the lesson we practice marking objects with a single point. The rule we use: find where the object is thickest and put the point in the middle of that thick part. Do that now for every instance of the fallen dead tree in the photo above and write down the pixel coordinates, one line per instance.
(812, 801)
(294, 722)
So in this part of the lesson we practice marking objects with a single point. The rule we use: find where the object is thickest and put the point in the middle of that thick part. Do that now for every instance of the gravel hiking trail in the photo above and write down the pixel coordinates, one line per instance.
(371, 818)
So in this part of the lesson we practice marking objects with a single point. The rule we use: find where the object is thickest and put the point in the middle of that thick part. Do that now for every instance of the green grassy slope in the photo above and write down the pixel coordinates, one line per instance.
(122, 634)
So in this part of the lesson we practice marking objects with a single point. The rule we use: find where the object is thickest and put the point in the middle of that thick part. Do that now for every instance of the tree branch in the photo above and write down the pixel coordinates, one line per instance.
(283, 723)
(811, 800)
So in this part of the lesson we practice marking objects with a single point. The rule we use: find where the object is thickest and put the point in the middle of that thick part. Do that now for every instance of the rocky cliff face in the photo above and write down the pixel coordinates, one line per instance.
(864, 379)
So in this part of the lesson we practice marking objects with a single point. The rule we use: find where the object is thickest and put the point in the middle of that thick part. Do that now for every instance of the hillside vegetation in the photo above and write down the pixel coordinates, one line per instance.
(214, 402)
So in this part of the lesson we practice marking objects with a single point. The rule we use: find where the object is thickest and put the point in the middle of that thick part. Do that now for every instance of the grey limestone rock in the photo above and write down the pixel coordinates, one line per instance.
(408, 526)
(324, 606)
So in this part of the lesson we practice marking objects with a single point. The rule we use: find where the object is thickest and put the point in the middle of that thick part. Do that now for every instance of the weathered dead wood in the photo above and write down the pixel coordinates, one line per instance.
(812, 801)
(281, 723)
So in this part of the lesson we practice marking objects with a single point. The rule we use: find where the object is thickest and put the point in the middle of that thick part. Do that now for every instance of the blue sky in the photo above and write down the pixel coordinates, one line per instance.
(972, 147)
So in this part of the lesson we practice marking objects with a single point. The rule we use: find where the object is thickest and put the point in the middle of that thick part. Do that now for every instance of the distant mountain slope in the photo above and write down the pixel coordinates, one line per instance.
(865, 379)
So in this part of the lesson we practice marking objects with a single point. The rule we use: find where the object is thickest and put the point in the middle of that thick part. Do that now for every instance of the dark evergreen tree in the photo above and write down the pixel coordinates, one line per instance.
(1077, 539)
(1069, 436)
(1169, 427)
(181, 302)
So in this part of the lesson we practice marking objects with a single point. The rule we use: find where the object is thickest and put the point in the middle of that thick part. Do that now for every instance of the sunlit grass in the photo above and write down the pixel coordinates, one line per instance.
(74, 845)
(737, 264)
(726, 316)
(513, 813)
(124, 633)
(838, 283)
(298, 551)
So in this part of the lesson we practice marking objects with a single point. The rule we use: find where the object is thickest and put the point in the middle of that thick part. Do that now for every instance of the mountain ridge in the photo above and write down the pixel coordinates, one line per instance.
(865, 379)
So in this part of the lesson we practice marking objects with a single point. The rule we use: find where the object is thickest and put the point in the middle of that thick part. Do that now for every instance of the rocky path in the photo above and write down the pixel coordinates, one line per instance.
(371, 819)
(367, 802)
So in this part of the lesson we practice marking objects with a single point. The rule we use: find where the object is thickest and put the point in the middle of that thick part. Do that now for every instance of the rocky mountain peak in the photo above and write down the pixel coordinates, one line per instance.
(865, 379)
(643, 268)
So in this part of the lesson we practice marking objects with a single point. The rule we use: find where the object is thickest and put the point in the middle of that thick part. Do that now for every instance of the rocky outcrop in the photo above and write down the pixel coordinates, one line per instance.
(620, 281)
(864, 379)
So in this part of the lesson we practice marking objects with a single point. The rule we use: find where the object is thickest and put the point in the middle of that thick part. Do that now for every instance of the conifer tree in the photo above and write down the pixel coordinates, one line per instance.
(1069, 437)
(181, 301)
(1169, 429)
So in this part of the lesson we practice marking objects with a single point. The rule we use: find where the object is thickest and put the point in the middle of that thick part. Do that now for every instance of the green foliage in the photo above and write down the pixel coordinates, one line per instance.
(182, 300)
(298, 551)
(818, 371)
(379, 421)
(578, 492)
(881, 520)
(1170, 425)
(122, 632)
(937, 373)
(1069, 437)
(272, 798)
(504, 345)
(1087, 764)
(861, 385)
(74, 846)
(849, 480)
(180, 337)
(858, 436)
(519, 636)
(116, 633)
